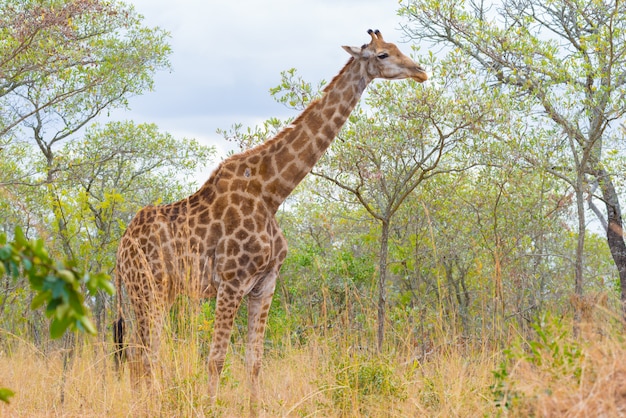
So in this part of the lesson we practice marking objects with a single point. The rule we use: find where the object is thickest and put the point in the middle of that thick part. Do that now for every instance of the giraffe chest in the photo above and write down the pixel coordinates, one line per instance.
(240, 235)
(251, 243)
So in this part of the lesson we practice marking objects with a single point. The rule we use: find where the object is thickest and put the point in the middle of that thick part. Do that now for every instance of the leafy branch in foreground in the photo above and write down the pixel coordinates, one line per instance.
(59, 285)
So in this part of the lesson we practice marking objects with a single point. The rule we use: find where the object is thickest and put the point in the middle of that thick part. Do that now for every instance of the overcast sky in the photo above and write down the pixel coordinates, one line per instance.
(228, 54)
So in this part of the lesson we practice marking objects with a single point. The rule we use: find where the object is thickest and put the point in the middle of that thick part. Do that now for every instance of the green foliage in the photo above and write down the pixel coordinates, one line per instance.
(294, 92)
(571, 88)
(504, 397)
(6, 394)
(56, 285)
(70, 59)
(362, 380)
(554, 350)
(553, 353)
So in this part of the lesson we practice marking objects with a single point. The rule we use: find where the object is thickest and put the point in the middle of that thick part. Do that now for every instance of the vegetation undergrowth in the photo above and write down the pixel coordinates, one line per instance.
(548, 371)
(561, 370)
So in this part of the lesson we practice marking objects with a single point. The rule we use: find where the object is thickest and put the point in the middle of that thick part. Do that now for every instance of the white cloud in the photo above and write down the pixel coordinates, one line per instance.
(228, 54)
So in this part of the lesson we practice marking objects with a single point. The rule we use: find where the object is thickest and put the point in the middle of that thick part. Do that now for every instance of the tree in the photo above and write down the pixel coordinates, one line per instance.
(101, 182)
(63, 61)
(569, 57)
(385, 152)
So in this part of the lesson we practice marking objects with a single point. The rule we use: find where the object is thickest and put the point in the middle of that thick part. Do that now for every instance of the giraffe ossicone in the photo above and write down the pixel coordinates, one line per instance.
(223, 241)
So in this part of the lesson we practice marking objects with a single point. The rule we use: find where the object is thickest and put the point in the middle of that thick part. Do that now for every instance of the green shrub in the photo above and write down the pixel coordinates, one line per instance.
(362, 382)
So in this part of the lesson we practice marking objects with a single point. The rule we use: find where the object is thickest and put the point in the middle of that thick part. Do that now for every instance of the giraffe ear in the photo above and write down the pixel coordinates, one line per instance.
(354, 51)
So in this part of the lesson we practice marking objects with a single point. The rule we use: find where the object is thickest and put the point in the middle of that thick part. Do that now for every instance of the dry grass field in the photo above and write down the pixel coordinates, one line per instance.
(554, 374)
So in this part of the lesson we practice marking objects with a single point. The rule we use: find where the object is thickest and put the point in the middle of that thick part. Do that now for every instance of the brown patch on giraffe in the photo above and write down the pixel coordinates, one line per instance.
(266, 170)
(276, 188)
(249, 225)
(300, 141)
(284, 156)
(235, 200)
(246, 206)
(314, 121)
(238, 184)
(328, 131)
(232, 220)
(292, 171)
(320, 142)
(218, 208)
(241, 234)
(254, 187)
(329, 112)
(347, 95)
(344, 110)
(201, 231)
(308, 156)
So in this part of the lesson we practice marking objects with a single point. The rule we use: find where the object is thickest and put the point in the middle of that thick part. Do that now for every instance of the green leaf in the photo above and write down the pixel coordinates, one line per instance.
(59, 290)
(20, 238)
(14, 268)
(53, 306)
(108, 286)
(27, 264)
(76, 303)
(66, 275)
(58, 327)
(40, 299)
(5, 394)
(87, 325)
(5, 252)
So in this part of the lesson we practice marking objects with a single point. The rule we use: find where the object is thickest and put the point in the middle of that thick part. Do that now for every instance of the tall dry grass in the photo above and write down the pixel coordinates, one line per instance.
(328, 375)
(565, 370)
(325, 377)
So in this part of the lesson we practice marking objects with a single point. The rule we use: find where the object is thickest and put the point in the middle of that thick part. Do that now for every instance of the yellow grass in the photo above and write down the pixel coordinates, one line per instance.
(570, 377)
(327, 377)
(297, 381)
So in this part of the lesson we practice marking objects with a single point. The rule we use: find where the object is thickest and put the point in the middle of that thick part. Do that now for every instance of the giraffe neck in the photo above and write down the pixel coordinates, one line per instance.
(291, 154)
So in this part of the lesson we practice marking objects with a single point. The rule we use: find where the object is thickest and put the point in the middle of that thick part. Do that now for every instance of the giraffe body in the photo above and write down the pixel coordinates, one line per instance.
(223, 241)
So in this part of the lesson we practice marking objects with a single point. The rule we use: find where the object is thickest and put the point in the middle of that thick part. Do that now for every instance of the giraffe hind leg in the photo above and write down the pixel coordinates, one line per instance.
(258, 310)
(149, 309)
(144, 348)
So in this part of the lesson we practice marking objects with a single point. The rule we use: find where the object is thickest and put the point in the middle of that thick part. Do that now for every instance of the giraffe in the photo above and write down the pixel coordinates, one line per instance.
(224, 241)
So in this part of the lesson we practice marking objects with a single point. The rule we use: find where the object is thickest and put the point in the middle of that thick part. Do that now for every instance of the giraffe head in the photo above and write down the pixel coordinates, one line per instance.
(384, 60)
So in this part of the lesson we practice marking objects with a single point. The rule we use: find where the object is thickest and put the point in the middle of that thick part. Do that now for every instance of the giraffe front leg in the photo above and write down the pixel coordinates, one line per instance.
(226, 306)
(259, 303)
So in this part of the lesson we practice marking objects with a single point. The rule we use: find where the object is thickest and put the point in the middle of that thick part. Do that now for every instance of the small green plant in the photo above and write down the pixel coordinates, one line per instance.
(361, 380)
(554, 350)
(553, 355)
(58, 285)
(503, 396)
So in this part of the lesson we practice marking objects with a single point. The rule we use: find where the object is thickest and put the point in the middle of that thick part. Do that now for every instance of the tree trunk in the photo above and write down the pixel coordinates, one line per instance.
(580, 252)
(382, 278)
(614, 231)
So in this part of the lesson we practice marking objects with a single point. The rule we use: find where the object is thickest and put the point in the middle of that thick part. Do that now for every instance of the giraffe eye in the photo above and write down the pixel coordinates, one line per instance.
(383, 55)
